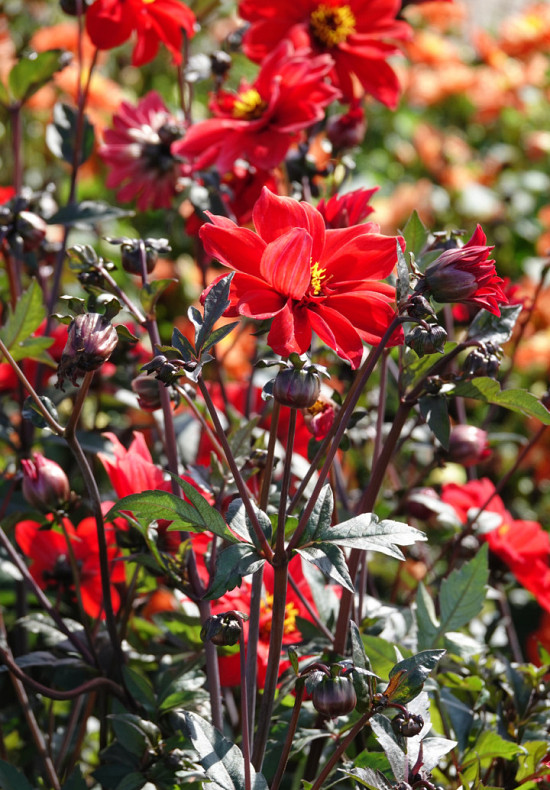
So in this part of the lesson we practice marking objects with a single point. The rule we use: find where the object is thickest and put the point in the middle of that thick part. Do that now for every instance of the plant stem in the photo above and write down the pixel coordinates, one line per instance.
(244, 709)
(289, 737)
(340, 749)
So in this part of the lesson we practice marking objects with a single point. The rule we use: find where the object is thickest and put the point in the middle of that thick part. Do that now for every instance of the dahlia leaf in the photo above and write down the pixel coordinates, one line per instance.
(407, 677)
(330, 559)
(218, 334)
(151, 292)
(11, 778)
(489, 328)
(415, 235)
(240, 523)
(435, 412)
(87, 213)
(215, 305)
(488, 390)
(61, 134)
(368, 532)
(232, 565)
(24, 320)
(321, 515)
(403, 286)
(30, 73)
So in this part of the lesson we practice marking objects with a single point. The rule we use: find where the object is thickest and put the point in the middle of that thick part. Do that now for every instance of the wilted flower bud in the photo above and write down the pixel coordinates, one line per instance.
(147, 391)
(427, 341)
(90, 342)
(223, 629)
(468, 445)
(407, 724)
(298, 388)
(45, 484)
(334, 695)
(319, 417)
(31, 228)
(419, 307)
(347, 130)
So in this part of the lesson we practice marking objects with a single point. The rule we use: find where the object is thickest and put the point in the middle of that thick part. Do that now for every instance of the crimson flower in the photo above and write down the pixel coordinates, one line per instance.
(358, 34)
(111, 22)
(259, 121)
(307, 278)
(524, 546)
(465, 275)
(139, 151)
(341, 211)
(50, 560)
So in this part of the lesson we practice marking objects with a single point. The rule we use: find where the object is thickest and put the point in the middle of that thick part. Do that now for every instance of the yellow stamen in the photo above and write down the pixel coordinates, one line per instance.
(291, 612)
(330, 25)
(317, 277)
(249, 105)
(147, 2)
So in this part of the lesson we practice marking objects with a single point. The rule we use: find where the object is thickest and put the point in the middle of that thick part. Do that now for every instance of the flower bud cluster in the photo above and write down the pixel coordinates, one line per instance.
(90, 342)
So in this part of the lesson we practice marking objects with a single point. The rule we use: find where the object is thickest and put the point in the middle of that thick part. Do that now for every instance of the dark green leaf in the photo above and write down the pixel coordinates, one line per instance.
(407, 677)
(381, 727)
(496, 329)
(75, 781)
(489, 746)
(417, 368)
(11, 778)
(330, 559)
(61, 134)
(321, 515)
(360, 661)
(241, 525)
(183, 345)
(132, 781)
(426, 619)
(232, 564)
(32, 412)
(215, 305)
(435, 412)
(140, 688)
(221, 759)
(134, 734)
(25, 319)
(415, 234)
(219, 334)
(488, 390)
(151, 292)
(87, 213)
(196, 516)
(34, 348)
(463, 592)
(32, 72)
(368, 532)
(367, 777)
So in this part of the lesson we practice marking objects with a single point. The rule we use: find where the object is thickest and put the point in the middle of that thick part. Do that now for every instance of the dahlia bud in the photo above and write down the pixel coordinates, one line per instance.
(130, 257)
(468, 445)
(417, 503)
(334, 696)
(298, 388)
(45, 484)
(347, 130)
(31, 228)
(165, 370)
(147, 391)
(427, 340)
(407, 724)
(90, 342)
(481, 362)
(221, 62)
(223, 629)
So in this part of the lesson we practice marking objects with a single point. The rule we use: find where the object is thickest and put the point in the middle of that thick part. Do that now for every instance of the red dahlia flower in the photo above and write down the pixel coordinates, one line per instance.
(50, 564)
(307, 278)
(139, 151)
(465, 275)
(111, 22)
(341, 211)
(358, 34)
(260, 121)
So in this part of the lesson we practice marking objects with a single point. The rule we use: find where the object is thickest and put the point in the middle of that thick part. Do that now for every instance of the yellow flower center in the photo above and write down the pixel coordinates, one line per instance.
(147, 2)
(317, 277)
(291, 612)
(249, 105)
(330, 25)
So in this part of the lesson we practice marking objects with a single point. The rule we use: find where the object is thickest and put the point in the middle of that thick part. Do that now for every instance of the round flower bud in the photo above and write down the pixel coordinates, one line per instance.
(147, 391)
(31, 228)
(427, 341)
(334, 696)
(90, 342)
(468, 445)
(347, 130)
(222, 629)
(45, 484)
(407, 724)
(221, 62)
(298, 388)
(130, 257)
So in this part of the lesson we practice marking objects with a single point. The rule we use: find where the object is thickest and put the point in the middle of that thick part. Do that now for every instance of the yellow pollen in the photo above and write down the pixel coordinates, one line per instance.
(330, 25)
(503, 529)
(317, 277)
(291, 612)
(147, 2)
(249, 105)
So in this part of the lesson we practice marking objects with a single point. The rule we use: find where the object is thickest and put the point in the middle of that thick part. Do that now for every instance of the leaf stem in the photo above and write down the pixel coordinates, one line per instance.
(300, 690)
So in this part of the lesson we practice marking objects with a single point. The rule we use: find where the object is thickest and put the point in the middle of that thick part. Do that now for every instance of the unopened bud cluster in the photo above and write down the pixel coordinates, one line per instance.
(90, 342)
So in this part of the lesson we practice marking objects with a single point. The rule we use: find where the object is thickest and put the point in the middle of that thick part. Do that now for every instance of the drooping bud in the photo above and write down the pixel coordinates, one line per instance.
(468, 445)
(427, 340)
(45, 484)
(90, 342)
(298, 388)
(482, 361)
(165, 370)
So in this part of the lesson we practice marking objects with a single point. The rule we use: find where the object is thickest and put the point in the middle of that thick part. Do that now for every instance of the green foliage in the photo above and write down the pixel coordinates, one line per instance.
(30, 73)
(517, 400)
(407, 677)
(21, 322)
(61, 134)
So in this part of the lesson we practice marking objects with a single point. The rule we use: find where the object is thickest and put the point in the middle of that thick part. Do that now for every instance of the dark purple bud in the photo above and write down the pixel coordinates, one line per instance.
(90, 342)
(147, 391)
(298, 388)
(334, 696)
(468, 445)
(45, 484)
(427, 340)
(222, 629)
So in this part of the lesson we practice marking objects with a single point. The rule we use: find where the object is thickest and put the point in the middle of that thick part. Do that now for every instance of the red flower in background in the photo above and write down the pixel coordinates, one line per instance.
(132, 470)
(111, 22)
(465, 275)
(359, 35)
(523, 546)
(261, 120)
(341, 211)
(139, 151)
(8, 379)
(51, 568)
(307, 278)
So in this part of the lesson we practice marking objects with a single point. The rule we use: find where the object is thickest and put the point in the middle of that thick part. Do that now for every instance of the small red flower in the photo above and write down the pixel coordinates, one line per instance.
(307, 278)
(341, 211)
(465, 275)
(111, 22)
(51, 568)
(260, 121)
(358, 35)
(139, 151)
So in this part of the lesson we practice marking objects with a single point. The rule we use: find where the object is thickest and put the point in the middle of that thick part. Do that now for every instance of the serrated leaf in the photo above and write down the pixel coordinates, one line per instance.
(426, 619)
(232, 565)
(61, 134)
(366, 531)
(330, 559)
(140, 688)
(435, 411)
(30, 73)
(215, 305)
(433, 749)
(221, 759)
(489, 746)
(12, 779)
(381, 727)
(151, 292)
(360, 661)
(463, 592)
(415, 234)
(194, 516)
(87, 213)
(135, 734)
(488, 390)
(34, 348)
(183, 345)
(240, 524)
(25, 319)
(321, 515)
(488, 327)
(219, 334)
(367, 777)
(407, 677)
